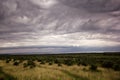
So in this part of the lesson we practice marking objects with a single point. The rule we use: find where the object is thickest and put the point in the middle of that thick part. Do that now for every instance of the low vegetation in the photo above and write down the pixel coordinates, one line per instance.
(5, 76)
(93, 67)
(60, 67)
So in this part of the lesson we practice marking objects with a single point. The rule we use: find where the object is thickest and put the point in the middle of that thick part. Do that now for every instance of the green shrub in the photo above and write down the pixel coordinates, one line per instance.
(68, 62)
(78, 63)
(8, 60)
(93, 67)
(16, 63)
(56, 61)
(84, 69)
(107, 64)
(30, 64)
(39, 60)
(116, 67)
(59, 64)
(42, 62)
(20, 61)
(50, 63)
(84, 64)
(25, 65)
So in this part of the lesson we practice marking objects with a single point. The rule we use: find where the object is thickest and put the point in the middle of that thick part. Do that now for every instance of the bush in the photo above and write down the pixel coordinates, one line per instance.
(42, 62)
(30, 63)
(16, 63)
(50, 63)
(25, 65)
(59, 64)
(107, 64)
(7, 61)
(32, 66)
(78, 63)
(39, 60)
(116, 67)
(56, 61)
(68, 62)
(84, 64)
(84, 69)
(20, 61)
(93, 67)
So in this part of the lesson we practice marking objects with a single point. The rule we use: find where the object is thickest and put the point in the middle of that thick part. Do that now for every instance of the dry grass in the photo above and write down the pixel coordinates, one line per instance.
(53, 72)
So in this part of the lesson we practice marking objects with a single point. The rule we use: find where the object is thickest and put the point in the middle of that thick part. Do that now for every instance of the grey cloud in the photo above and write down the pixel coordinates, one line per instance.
(8, 24)
(31, 21)
(23, 8)
(95, 27)
(94, 5)
(2, 13)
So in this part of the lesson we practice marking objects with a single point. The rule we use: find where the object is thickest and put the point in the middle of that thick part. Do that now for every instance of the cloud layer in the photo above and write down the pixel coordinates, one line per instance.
(85, 23)
(94, 5)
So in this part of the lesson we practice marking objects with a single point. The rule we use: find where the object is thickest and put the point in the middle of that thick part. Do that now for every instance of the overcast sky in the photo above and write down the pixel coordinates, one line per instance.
(83, 23)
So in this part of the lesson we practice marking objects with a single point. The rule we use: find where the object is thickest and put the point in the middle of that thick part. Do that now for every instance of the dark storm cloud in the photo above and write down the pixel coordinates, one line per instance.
(24, 22)
(94, 27)
(2, 12)
(13, 19)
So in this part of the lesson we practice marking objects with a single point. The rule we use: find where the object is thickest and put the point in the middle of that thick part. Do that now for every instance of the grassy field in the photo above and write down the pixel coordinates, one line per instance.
(48, 71)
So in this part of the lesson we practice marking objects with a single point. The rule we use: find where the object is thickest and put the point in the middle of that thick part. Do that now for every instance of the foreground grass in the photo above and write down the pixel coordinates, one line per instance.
(5, 76)
(53, 72)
